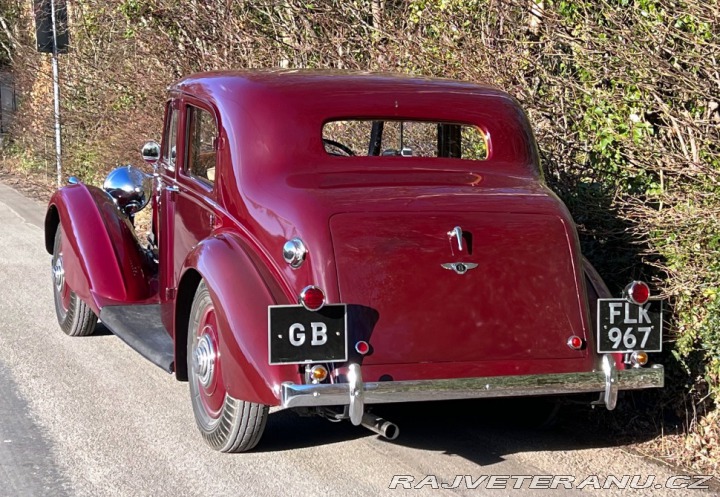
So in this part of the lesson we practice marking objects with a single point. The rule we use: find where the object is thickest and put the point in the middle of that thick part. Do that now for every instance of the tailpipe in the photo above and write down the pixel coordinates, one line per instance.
(380, 426)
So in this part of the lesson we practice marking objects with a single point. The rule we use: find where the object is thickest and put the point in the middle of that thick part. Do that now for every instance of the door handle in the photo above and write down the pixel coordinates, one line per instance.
(172, 191)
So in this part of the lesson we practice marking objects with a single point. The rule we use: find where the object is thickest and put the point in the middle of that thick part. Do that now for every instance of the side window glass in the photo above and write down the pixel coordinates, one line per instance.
(202, 134)
(170, 139)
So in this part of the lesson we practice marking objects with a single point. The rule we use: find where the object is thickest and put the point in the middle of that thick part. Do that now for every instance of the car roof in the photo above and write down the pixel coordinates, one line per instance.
(284, 110)
(320, 82)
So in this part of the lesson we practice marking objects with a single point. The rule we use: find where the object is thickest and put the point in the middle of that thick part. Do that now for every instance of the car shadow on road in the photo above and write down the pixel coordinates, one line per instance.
(482, 431)
(287, 430)
(101, 330)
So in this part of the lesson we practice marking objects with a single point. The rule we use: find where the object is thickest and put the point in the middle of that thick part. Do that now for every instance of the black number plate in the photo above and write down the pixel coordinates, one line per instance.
(625, 327)
(298, 336)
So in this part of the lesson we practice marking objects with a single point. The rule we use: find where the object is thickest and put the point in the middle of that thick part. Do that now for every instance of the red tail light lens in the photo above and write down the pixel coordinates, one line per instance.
(312, 298)
(637, 292)
(362, 347)
(575, 342)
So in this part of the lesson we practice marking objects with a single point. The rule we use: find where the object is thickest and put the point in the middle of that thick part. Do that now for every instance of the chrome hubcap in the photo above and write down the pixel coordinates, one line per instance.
(204, 360)
(59, 274)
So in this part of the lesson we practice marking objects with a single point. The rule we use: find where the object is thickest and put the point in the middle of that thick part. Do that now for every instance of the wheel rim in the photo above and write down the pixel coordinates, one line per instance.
(60, 287)
(206, 383)
(59, 274)
(204, 357)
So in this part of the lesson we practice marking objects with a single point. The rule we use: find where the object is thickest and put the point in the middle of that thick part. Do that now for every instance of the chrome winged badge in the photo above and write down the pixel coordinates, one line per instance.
(459, 267)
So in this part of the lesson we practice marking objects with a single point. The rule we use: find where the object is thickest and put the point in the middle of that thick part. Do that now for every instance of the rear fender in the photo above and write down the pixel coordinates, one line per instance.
(595, 285)
(241, 298)
(596, 289)
(102, 257)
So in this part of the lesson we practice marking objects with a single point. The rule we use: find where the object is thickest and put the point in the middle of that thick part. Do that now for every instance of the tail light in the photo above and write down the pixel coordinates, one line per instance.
(312, 298)
(639, 358)
(318, 374)
(575, 342)
(362, 347)
(637, 292)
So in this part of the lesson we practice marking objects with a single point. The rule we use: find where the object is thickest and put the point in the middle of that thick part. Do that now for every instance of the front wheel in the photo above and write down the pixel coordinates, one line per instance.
(227, 424)
(74, 316)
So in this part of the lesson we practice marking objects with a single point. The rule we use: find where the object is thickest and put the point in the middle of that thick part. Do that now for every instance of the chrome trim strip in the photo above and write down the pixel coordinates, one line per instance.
(293, 395)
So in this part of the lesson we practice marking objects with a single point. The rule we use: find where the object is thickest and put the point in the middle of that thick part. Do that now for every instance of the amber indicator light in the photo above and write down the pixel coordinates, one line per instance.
(318, 373)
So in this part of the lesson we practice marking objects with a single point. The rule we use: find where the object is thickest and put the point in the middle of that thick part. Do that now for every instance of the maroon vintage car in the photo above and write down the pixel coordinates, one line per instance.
(327, 241)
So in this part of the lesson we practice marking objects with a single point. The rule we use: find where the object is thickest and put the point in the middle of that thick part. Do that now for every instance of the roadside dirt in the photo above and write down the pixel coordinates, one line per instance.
(34, 186)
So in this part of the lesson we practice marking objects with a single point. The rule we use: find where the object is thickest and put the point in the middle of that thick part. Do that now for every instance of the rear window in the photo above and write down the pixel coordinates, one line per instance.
(404, 139)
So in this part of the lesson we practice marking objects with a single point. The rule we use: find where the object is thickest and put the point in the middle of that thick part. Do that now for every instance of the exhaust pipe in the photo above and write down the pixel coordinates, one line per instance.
(380, 426)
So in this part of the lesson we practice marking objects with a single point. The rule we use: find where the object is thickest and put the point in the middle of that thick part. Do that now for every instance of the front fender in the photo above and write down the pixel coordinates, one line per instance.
(241, 298)
(102, 257)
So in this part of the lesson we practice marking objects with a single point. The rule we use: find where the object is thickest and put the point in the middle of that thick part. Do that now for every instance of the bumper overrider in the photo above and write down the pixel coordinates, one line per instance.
(355, 393)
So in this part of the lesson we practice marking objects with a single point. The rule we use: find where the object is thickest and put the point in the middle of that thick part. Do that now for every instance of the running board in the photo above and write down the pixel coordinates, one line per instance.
(140, 326)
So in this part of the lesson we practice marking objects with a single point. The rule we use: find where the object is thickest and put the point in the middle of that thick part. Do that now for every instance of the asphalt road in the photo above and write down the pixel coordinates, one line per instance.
(90, 417)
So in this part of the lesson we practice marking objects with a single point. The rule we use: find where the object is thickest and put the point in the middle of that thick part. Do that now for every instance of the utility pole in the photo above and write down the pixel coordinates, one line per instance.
(52, 37)
(56, 94)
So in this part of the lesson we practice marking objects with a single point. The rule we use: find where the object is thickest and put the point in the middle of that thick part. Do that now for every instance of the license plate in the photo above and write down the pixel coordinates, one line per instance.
(299, 336)
(625, 327)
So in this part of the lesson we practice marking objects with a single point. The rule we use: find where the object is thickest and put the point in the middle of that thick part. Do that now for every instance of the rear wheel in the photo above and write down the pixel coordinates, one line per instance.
(227, 424)
(74, 316)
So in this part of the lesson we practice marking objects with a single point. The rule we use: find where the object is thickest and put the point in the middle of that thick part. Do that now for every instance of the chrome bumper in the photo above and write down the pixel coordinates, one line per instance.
(356, 394)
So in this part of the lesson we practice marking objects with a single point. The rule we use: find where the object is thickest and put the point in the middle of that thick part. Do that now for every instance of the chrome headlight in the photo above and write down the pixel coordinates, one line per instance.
(130, 188)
